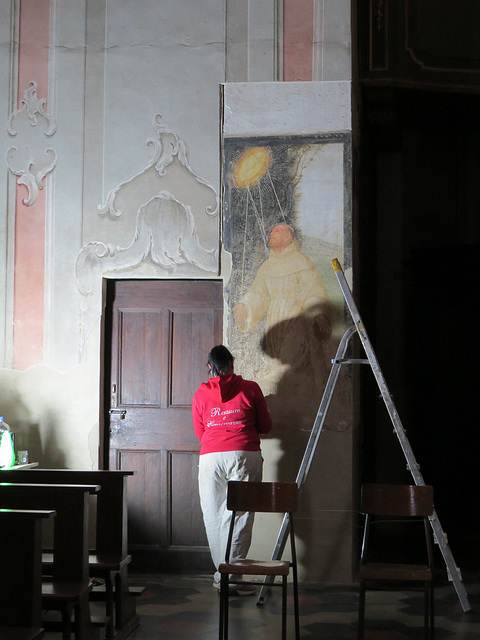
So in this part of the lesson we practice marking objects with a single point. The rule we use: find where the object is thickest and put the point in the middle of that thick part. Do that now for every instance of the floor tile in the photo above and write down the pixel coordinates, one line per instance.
(186, 607)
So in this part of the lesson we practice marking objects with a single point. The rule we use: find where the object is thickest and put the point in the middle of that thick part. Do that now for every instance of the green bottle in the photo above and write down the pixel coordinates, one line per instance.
(7, 454)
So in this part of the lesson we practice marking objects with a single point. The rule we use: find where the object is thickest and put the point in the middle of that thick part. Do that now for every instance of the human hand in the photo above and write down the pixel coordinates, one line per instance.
(323, 326)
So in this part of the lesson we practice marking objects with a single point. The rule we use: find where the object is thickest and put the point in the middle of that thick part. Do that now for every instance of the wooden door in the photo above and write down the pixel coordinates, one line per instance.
(162, 331)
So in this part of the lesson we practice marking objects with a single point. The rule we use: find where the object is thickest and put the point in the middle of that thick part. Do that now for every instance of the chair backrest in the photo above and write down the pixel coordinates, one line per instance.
(267, 497)
(402, 500)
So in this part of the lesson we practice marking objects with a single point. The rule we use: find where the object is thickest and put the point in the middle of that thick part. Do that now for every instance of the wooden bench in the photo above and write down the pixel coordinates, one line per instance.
(109, 560)
(70, 586)
(21, 573)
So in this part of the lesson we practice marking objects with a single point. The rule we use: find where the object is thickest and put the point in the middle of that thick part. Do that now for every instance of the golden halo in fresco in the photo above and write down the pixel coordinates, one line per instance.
(251, 167)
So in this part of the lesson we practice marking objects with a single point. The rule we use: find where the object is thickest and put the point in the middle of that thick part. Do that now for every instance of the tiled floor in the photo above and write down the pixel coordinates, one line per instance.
(186, 607)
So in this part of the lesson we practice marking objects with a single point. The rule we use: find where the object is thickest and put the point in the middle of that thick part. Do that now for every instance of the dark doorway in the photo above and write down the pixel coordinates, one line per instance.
(419, 253)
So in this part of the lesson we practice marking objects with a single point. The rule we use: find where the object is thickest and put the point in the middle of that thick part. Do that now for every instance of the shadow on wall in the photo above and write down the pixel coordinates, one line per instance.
(52, 450)
(28, 436)
(304, 358)
(55, 413)
(293, 406)
(20, 420)
(36, 428)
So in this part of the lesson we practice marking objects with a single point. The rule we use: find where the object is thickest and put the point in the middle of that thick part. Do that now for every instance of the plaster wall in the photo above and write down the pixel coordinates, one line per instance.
(122, 86)
(279, 348)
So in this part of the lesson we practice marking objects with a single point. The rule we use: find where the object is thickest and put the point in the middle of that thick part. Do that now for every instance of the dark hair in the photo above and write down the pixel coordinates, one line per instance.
(220, 359)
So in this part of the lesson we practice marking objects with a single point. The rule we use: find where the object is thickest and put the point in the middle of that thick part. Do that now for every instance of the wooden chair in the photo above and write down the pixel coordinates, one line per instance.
(403, 511)
(266, 497)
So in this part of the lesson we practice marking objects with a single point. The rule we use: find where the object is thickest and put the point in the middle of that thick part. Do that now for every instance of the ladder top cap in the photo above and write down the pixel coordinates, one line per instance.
(336, 264)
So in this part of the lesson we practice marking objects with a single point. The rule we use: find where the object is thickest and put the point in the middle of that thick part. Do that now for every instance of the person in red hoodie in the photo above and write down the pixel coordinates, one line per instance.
(229, 414)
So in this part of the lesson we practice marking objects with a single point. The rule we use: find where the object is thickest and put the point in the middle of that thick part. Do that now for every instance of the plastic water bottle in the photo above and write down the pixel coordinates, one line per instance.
(7, 454)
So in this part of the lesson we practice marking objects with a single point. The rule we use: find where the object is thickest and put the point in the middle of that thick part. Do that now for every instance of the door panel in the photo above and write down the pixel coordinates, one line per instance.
(145, 502)
(186, 518)
(162, 332)
(141, 346)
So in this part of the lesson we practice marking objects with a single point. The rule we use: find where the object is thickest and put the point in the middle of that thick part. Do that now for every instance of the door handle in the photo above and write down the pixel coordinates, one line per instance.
(120, 412)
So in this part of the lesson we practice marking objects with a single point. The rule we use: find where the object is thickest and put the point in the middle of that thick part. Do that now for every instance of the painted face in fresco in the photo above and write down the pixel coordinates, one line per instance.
(280, 237)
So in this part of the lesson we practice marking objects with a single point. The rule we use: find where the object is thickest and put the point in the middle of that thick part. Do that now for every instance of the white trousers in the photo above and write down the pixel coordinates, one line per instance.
(214, 472)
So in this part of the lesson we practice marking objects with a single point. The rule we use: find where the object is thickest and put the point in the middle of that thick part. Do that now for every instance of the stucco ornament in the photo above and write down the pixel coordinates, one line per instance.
(30, 159)
(168, 202)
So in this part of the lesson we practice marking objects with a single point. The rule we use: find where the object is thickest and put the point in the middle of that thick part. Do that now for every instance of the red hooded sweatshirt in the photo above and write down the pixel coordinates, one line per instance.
(229, 413)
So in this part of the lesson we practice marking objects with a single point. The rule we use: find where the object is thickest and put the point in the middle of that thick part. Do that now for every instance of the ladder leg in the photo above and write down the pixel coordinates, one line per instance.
(311, 446)
(453, 570)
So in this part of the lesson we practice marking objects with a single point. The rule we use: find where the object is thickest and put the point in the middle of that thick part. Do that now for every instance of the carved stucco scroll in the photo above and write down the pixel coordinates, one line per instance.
(168, 201)
(29, 159)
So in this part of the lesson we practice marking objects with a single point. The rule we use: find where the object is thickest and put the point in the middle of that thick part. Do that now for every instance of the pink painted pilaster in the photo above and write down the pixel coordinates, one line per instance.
(298, 40)
(30, 221)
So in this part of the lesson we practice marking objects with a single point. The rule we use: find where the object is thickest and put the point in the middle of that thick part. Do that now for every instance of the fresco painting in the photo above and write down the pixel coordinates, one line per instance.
(285, 207)
(289, 293)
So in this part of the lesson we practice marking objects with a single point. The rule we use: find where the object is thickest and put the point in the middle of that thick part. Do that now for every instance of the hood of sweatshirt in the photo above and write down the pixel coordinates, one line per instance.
(223, 388)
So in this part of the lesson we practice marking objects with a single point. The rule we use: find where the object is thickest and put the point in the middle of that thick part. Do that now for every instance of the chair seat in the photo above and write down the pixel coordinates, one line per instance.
(256, 567)
(102, 562)
(96, 562)
(64, 591)
(386, 571)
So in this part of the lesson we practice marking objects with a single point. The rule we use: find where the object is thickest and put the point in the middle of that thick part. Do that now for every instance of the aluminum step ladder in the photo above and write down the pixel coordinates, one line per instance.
(412, 465)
